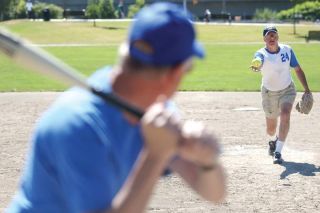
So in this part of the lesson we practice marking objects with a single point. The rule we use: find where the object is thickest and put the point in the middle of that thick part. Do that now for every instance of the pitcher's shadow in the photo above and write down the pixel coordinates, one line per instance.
(305, 169)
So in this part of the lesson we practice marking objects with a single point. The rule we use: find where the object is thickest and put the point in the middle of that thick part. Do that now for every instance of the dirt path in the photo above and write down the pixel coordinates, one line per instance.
(254, 183)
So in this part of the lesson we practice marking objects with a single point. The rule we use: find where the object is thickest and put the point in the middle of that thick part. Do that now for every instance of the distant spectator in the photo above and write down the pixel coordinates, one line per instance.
(46, 14)
(229, 18)
(121, 9)
(29, 7)
(207, 15)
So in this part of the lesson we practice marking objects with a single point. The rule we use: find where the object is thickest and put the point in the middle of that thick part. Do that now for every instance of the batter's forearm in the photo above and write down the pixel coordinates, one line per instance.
(210, 183)
(133, 197)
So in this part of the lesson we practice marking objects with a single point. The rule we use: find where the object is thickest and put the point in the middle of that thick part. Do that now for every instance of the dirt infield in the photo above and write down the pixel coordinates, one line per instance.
(254, 183)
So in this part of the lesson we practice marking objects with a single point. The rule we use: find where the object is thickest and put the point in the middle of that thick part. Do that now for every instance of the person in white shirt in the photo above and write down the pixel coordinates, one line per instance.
(207, 15)
(274, 61)
(29, 7)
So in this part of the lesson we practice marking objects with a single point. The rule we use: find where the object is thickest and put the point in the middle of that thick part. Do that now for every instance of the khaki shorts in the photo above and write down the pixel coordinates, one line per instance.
(272, 100)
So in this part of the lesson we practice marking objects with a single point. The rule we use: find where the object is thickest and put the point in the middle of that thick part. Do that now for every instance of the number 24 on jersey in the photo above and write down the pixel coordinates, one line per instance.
(284, 57)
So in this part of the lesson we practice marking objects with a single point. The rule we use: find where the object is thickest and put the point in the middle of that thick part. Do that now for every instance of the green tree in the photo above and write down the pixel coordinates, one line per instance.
(107, 9)
(6, 9)
(133, 9)
(20, 9)
(309, 10)
(92, 11)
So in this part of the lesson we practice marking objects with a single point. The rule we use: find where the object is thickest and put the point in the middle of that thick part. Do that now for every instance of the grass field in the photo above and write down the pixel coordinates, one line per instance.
(229, 52)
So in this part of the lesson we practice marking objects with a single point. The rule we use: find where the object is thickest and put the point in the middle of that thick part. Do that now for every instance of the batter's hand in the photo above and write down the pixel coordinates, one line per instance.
(198, 145)
(161, 131)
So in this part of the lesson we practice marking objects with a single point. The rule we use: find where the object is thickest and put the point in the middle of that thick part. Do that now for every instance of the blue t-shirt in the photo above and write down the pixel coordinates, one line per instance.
(82, 152)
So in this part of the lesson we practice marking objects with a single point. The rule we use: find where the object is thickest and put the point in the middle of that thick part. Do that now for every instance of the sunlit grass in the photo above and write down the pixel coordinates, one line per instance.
(229, 52)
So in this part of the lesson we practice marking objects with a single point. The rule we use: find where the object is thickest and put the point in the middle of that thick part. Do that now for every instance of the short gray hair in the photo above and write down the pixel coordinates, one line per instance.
(134, 65)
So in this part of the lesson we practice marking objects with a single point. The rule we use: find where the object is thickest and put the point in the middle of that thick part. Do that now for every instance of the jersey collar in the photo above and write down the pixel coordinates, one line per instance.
(273, 52)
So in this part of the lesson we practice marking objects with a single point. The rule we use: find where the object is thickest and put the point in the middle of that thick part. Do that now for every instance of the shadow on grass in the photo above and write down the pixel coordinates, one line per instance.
(301, 36)
(305, 169)
(112, 28)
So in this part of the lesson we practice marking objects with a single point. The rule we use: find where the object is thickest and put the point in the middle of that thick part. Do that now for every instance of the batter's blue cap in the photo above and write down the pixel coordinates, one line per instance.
(163, 35)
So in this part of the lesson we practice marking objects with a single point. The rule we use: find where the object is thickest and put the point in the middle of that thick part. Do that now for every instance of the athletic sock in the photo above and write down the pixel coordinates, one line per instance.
(279, 146)
(273, 137)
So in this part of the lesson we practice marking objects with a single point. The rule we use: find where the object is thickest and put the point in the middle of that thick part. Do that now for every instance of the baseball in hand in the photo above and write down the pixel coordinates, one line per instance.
(256, 62)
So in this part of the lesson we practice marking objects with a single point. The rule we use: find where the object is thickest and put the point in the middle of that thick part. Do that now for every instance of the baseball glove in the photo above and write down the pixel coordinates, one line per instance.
(305, 105)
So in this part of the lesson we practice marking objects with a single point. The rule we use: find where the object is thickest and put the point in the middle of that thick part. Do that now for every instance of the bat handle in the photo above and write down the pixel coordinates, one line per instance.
(118, 102)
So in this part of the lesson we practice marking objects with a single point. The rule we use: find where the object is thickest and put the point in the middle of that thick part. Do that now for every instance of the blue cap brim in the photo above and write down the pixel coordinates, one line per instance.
(198, 50)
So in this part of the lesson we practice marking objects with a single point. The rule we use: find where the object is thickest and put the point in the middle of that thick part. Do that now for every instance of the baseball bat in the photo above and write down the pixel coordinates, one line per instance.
(27, 55)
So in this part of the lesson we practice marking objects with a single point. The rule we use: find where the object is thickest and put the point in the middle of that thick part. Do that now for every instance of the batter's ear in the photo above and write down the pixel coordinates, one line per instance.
(177, 72)
(173, 76)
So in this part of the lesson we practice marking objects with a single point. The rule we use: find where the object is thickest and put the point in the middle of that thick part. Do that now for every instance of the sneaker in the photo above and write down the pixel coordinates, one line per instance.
(277, 158)
(272, 147)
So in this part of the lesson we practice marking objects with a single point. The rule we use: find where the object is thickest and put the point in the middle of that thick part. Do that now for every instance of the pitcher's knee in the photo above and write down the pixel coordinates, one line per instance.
(286, 110)
(285, 116)
(271, 131)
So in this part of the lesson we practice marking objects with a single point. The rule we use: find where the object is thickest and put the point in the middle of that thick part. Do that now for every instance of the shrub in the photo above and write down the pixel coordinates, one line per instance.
(106, 9)
(55, 11)
(265, 14)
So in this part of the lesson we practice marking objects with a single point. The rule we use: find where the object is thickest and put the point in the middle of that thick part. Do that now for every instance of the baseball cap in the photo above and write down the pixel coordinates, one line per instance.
(268, 29)
(163, 35)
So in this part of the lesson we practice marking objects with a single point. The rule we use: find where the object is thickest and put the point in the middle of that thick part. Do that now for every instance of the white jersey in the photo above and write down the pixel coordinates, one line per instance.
(276, 67)
(29, 6)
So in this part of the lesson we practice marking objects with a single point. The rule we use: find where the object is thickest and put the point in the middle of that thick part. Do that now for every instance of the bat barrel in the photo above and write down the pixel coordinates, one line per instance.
(36, 59)
(8, 43)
